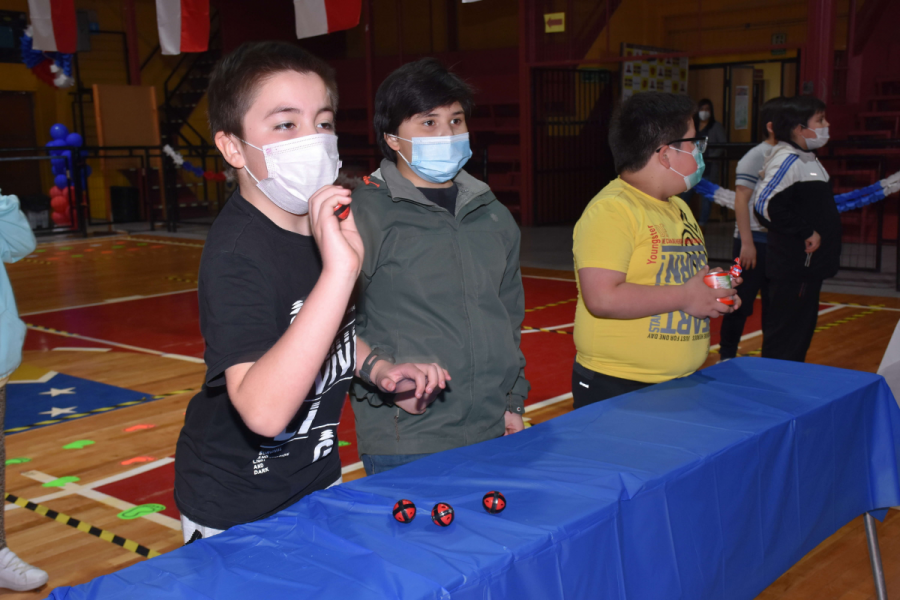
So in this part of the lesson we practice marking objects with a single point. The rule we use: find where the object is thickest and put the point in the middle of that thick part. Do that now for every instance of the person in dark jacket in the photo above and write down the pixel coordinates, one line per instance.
(440, 277)
(706, 125)
(795, 203)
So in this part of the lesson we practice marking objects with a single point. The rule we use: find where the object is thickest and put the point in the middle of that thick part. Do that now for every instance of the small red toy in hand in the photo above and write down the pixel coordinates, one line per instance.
(342, 211)
(736, 269)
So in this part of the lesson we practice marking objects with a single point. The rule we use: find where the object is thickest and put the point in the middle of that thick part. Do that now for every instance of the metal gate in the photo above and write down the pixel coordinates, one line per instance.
(572, 161)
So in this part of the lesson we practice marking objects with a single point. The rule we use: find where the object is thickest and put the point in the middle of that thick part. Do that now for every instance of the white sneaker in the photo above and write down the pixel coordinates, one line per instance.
(18, 575)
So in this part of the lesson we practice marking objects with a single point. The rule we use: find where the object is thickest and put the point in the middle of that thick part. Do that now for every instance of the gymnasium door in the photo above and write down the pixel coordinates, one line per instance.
(572, 161)
(22, 178)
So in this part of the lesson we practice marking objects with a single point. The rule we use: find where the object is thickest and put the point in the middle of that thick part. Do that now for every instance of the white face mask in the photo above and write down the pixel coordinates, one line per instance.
(298, 168)
(820, 140)
(704, 115)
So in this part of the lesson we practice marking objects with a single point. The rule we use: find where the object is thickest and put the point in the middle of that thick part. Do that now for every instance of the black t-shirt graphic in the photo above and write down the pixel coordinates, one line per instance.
(254, 278)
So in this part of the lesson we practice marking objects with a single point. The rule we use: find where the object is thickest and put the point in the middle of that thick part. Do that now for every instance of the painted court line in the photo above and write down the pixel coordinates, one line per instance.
(547, 278)
(106, 238)
(102, 482)
(79, 349)
(354, 467)
(87, 492)
(104, 302)
(192, 359)
(538, 330)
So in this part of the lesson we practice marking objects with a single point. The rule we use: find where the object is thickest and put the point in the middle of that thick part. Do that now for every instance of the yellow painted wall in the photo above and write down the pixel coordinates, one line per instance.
(723, 24)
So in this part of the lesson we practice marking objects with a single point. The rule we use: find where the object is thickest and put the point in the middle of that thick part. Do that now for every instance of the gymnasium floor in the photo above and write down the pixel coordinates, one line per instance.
(114, 354)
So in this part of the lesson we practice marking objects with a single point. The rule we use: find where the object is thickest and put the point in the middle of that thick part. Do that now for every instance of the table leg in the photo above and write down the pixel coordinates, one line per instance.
(875, 557)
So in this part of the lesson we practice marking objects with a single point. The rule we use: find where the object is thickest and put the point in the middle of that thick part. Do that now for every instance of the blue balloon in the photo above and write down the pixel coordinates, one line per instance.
(55, 144)
(59, 131)
(67, 154)
(58, 166)
(61, 181)
(88, 170)
(187, 165)
(74, 139)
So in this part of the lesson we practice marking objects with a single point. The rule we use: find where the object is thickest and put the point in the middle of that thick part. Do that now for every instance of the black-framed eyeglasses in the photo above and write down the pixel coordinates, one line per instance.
(699, 142)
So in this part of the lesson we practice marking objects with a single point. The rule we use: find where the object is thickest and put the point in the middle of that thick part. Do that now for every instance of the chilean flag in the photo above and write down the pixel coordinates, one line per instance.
(54, 25)
(183, 25)
(318, 17)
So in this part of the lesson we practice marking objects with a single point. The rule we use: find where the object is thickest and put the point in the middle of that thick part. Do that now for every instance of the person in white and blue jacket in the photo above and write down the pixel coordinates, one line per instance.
(795, 203)
(16, 241)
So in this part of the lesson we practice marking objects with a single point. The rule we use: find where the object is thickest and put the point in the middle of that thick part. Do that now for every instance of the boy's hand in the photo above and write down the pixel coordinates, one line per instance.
(813, 242)
(748, 255)
(416, 384)
(702, 302)
(514, 423)
(338, 240)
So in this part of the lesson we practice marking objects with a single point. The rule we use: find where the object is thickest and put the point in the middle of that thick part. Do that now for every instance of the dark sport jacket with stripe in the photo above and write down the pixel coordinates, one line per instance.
(793, 200)
(435, 287)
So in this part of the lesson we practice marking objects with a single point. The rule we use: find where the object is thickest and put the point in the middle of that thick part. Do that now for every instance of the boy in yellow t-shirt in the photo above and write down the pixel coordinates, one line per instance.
(643, 308)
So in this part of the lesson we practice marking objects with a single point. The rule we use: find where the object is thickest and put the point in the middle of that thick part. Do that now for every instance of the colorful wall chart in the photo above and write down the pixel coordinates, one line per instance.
(648, 74)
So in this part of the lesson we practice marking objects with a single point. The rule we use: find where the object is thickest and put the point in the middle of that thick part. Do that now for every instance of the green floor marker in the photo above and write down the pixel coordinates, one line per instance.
(141, 510)
(77, 255)
(342, 443)
(62, 481)
(78, 445)
(17, 461)
(117, 247)
(66, 248)
(41, 250)
(142, 244)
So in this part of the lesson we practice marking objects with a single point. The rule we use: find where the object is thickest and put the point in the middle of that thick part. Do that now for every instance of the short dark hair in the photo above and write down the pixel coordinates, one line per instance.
(643, 123)
(236, 78)
(416, 88)
(792, 112)
(768, 113)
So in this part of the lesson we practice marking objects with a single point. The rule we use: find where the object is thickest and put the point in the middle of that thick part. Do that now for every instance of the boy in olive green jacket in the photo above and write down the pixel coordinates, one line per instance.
(440, 280)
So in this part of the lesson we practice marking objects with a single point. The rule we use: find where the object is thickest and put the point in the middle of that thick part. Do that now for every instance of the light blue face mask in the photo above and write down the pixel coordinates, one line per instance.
(694, 178)
(438, 159)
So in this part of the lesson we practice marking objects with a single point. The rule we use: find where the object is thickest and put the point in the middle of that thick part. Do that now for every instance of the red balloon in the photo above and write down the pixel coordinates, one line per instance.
(61, 218)
(59, 203)
(55, 191)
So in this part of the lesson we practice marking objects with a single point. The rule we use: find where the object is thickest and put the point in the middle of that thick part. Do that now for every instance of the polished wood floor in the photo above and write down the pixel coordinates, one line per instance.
(96, 271)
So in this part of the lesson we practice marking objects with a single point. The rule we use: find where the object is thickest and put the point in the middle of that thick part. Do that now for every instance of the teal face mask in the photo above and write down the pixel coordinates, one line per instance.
(694, 178)
(438, 159)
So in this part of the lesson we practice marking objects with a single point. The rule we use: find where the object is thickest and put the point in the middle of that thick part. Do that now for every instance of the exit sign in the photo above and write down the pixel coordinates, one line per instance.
(554, 22)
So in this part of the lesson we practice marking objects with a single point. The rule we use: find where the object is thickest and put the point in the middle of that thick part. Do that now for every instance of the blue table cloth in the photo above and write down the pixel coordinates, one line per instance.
(706, 487)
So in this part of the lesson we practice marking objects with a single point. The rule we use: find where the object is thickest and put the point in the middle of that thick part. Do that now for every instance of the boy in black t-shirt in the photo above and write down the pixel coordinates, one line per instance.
(276, 279)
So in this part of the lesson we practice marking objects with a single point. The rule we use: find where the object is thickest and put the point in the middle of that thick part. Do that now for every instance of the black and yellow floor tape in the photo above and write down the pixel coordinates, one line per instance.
(95, 411)
(181, 280)
(82, 526)
(551, 305)
(832, 324)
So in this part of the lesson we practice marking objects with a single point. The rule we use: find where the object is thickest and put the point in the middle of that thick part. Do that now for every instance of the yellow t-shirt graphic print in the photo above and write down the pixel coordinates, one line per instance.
(653, 243)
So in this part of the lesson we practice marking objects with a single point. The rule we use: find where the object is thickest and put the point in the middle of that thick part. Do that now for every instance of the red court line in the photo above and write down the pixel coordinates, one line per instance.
(169, 324)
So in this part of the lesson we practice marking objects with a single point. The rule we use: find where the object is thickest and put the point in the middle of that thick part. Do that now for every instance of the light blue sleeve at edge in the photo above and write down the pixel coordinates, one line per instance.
(16, 238)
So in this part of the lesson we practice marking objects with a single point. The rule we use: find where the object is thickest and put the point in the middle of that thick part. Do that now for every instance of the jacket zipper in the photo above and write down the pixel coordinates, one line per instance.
(397, 424)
